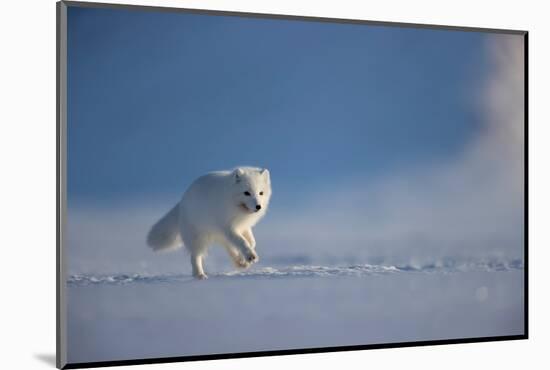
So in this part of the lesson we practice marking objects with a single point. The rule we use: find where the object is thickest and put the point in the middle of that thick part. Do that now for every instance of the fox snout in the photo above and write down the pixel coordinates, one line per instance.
(258, 207)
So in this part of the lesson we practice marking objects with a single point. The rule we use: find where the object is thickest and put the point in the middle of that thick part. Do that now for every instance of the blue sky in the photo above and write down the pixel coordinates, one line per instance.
(156, 99)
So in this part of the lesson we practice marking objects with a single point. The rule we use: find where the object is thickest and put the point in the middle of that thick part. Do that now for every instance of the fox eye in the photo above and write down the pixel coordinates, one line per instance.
(247, 193)
(261, 193)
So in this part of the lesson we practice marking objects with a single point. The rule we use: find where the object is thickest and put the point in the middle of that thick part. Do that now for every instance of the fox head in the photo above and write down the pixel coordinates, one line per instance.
(251, 189)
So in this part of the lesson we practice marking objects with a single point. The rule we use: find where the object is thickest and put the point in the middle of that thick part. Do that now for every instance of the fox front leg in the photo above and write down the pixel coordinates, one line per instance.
(243, 246)
(247, 234)
(237, 258)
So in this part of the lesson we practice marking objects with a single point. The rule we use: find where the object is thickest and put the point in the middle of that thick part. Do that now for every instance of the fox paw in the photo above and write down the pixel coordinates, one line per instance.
(251, 256)
(241, 263)
(201, 276)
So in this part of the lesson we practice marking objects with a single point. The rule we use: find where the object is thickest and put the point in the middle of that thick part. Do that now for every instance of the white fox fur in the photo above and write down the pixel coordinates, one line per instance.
(218, 208)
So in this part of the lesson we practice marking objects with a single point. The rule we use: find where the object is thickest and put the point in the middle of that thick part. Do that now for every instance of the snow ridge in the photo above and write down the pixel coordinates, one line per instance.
(304, 271)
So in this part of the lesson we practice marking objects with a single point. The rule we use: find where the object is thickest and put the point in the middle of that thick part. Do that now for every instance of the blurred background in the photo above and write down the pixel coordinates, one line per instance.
(386, 145)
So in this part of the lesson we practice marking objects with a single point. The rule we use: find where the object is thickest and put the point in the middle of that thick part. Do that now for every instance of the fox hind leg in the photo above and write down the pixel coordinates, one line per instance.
(196, 264)
(197, 249)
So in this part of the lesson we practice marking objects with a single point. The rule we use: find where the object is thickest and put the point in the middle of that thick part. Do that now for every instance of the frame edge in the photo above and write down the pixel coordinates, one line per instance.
(61, 189)
(61, 128)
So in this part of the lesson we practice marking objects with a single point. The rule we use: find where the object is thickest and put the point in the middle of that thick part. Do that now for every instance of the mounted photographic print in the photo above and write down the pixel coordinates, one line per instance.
(235, 184)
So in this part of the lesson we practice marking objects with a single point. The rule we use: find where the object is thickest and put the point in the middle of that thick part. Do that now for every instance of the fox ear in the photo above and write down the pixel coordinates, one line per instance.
(237, 174)
(265, 174)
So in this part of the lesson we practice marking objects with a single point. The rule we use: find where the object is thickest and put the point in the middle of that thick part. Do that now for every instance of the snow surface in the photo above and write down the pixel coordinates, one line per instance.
(116, 317)
(309, 290)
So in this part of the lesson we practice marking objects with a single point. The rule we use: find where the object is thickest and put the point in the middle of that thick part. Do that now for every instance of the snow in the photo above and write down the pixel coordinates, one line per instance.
(117, 317)
(127, 302)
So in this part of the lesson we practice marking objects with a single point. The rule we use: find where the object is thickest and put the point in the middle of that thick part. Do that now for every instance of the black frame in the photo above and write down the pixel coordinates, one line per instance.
(60, 186)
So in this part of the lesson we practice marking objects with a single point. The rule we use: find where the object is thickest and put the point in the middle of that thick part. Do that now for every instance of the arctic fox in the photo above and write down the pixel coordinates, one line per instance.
(220, 207)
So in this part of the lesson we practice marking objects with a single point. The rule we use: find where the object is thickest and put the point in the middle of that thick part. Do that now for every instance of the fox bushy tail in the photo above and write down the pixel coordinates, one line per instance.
(165, 234)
